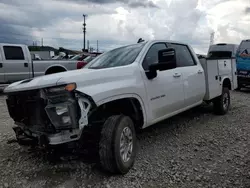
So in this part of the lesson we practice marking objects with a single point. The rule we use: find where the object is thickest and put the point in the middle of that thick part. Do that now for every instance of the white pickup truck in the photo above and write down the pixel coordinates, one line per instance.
(118, 93)
(16, 64)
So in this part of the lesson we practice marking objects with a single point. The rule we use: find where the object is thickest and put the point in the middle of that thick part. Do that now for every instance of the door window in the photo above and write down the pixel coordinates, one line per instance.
(13, 53)
(183, 55)
(152, 55)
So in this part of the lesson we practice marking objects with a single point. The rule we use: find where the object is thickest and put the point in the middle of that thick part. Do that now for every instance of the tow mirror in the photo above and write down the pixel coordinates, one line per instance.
(166, 61)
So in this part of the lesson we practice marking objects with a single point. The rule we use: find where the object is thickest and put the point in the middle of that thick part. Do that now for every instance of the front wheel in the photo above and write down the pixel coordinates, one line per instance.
(222, 103)
(117, 147)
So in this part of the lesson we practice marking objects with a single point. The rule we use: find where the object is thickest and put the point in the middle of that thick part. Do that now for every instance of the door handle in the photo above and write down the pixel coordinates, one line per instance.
(200, 71)
(1, 65)
(25, 64)
(177, 75)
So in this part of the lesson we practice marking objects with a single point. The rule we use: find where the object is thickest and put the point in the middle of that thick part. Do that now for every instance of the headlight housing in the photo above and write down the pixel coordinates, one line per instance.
(63, 115)
(62, 107)
(60, 94)
(67, 87)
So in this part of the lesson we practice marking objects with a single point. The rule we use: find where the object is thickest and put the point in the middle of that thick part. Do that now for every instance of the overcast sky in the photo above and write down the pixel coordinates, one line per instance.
(119, 22)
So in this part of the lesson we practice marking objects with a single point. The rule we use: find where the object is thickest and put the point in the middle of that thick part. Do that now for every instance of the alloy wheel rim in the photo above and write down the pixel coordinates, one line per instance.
(126, 144)
(225, 101)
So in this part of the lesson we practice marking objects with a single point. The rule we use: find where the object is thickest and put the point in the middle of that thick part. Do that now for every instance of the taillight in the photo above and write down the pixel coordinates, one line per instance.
(80, 64)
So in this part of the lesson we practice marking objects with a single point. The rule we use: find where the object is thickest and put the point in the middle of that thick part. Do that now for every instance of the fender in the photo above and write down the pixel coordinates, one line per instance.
(123, 96)
(223, 79)
(55, 65)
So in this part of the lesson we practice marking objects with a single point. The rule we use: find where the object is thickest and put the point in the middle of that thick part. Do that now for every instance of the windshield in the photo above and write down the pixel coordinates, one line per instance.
(118, 57)
(244, 49)
(244, 45)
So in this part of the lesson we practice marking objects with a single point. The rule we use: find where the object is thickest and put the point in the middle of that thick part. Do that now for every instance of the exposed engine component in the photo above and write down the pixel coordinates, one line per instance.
(85, 106)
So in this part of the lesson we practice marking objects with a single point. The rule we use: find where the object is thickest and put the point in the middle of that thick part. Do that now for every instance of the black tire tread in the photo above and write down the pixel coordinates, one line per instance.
(218, 103)
(106, 143)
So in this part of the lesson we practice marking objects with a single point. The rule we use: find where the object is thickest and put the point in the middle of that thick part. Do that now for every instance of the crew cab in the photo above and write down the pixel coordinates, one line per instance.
(119, 92)
(16, 64)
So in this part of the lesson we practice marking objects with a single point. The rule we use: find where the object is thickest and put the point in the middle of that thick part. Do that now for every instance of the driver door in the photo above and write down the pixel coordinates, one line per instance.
(165, 93)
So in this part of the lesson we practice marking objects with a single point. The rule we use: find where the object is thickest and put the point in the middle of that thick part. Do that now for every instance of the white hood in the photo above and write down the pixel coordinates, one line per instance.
(83, 78)
(43, 81)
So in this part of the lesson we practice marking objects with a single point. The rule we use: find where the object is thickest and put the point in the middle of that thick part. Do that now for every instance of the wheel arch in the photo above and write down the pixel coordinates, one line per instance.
(227, 83)
(124, 104)
(55, 66)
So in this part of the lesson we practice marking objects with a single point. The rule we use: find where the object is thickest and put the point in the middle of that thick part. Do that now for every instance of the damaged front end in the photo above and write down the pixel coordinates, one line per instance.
(50, 116)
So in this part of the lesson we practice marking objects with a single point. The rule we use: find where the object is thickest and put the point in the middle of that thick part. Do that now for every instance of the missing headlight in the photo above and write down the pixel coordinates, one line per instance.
(61, 110)
(63, 115)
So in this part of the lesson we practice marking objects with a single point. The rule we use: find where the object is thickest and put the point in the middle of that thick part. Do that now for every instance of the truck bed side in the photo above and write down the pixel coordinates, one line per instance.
(42, 66)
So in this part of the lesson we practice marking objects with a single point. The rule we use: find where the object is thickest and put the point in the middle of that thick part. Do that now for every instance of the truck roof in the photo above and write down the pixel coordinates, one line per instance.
(246, 40)
(168, 41)
(10, 44)
(224, 44)
(223, 47)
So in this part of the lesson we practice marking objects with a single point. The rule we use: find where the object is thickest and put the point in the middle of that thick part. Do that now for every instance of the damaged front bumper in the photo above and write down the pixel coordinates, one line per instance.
(51, 116)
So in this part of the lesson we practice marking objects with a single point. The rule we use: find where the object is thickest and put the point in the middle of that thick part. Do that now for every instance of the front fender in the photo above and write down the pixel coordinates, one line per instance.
(123, 96)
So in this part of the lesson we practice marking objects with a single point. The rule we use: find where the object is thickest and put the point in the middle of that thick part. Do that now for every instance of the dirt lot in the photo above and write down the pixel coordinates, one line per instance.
(194, 149)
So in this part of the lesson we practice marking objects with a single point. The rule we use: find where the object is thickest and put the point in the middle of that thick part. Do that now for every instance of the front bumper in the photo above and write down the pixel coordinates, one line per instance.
(44, 139)
(47, 118)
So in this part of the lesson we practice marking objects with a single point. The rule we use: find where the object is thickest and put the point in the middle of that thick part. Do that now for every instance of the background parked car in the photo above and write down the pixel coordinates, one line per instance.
(85, 61)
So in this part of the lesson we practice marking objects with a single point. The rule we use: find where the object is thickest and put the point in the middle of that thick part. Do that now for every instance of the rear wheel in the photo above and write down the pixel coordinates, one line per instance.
(54, 70)
(117, 147)
(222, 103)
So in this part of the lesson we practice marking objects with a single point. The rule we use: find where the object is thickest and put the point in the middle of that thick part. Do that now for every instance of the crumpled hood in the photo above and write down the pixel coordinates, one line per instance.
(83, 77)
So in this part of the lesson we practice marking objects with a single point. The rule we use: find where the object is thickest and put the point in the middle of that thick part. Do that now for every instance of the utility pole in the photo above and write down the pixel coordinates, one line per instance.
(88, 44)
(97, 46)
(212, 38)
(42, 42)
(84, 30)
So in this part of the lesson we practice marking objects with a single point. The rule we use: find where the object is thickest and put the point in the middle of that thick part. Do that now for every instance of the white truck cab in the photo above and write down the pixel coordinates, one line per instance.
(119, 92)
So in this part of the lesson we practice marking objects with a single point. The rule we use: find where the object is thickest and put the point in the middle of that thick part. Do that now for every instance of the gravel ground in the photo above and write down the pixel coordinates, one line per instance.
(194, 149)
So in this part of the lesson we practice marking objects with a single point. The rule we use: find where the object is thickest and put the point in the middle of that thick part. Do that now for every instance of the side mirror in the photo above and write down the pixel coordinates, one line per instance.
(166, 61)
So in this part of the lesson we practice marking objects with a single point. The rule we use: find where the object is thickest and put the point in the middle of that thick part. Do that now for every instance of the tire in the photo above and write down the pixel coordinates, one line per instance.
(114, 129)
(222, 103)
(53, 71)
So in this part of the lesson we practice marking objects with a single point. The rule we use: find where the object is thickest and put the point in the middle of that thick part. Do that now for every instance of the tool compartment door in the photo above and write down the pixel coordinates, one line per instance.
(213, 87)
(234, 74)
(225, 67)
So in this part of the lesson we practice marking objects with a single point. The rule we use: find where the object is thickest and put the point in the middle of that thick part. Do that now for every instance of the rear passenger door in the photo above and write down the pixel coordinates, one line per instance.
(16, 64)
(193, 75)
